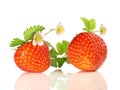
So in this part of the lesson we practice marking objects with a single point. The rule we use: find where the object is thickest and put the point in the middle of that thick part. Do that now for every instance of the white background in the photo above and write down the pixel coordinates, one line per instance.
(17, 15)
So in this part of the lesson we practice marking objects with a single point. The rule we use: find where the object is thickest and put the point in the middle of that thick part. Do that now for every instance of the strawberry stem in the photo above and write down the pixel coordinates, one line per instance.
(96, 31)
(59, 29)
(49, 31)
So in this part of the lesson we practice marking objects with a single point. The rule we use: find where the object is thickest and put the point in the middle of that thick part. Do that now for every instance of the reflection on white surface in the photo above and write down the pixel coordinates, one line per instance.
(59, 80)
(87, 81)
(33, 81)
(78, 81)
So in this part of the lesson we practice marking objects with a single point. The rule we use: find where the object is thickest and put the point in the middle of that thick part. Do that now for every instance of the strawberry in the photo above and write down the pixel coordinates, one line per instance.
(87, 51)
(32, 53)
(32, 58)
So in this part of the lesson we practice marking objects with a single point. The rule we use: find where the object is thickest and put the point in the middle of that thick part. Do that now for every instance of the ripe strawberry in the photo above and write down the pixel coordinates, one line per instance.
(32, 53)
(32, 58)
(87, 51)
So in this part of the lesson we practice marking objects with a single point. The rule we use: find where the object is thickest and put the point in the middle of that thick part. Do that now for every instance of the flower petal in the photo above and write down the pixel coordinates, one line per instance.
(40, 43)
(37, 39)
(34, 43)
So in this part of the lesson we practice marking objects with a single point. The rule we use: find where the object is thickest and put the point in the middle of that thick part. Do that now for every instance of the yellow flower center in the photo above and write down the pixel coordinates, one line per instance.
(60, 29)
(102, 30)
(37, 39)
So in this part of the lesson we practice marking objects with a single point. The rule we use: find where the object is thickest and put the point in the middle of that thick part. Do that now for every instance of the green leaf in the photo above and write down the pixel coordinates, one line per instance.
(16, 42)
(53, 63)
(86, 22)
(59, 48)
(90, 25)
(58, 55)
(62, 47)
(61, 61)
(53, 53)
(65, 45)
(28, 34)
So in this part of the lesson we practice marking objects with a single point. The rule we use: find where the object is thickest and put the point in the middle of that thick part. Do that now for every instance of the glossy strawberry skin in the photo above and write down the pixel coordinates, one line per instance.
(87, 51)
(32, 58)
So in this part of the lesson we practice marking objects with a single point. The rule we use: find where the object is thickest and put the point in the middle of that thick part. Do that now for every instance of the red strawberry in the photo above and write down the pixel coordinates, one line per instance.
(87, 51)
(32, 58)
(32, 53)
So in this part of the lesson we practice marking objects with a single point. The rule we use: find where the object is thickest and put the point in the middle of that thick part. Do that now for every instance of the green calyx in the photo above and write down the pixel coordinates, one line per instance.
(90, 25)
(28, 35)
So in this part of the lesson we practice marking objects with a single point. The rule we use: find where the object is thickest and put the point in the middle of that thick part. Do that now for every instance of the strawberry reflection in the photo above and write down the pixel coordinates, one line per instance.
(33, 81)
(87, 81)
